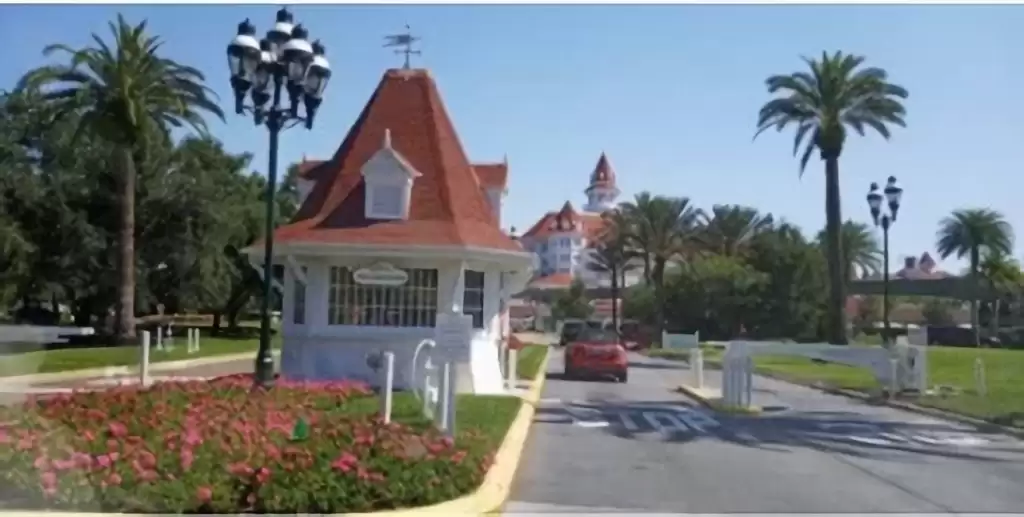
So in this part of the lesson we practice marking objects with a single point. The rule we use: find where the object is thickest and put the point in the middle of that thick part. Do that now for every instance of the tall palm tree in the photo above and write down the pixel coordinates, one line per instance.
(664, 228)
(124, 92)
(612, 256)
(861, 253)
(731, 227)
(974, 232)
(835, 95)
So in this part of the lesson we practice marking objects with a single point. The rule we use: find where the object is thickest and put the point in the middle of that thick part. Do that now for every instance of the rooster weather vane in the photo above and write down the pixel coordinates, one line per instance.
(404, 40)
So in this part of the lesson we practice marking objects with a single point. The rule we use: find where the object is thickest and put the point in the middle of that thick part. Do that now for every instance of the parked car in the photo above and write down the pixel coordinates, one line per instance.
(597, 353)
(570, 329)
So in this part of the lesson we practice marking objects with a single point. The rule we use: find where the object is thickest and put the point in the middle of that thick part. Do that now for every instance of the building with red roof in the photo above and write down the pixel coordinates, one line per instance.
(395, 229)
(563, 239)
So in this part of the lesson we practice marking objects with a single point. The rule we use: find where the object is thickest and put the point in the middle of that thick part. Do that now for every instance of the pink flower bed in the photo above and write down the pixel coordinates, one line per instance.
(221, 447)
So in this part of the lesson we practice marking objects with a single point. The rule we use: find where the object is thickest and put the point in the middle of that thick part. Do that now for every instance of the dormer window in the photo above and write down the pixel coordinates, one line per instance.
(389, 178)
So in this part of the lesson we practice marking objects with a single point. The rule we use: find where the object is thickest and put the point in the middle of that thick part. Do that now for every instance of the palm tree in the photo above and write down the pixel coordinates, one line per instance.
(974, 232)
(124, 94)
(628, 214)
(663, 228)
(836, 94)
(611, 256)
(731, 227)
(1003, 274)
(861, 253)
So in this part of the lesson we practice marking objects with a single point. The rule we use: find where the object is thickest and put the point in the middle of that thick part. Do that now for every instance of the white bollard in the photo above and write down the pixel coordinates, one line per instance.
(697, 366)
(980, 386)
(894, 376)
(513, 375)
(387, 386)
(748, 381)
(160, 337)
(170, 338)
(446, 415)
(144, 361)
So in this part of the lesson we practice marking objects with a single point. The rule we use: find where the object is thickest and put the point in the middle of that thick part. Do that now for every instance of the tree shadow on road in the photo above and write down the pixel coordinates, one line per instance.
(837, 432)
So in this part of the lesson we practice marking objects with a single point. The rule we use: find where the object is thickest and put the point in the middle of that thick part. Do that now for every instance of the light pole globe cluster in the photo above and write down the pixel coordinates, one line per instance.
(892, 195)
(282, 62)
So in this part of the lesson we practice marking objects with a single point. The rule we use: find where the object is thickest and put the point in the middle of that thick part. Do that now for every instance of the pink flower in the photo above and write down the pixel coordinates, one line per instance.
(204, 494)
(48, 479)
(104, 460)
(114, 479)
(187, 457)
(345, 462)
(117, 429)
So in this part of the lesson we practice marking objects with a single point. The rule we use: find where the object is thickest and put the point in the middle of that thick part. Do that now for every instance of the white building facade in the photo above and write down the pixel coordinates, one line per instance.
(394, 233)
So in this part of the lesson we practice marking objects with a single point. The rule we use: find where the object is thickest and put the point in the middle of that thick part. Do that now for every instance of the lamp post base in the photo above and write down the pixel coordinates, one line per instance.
(264, 374)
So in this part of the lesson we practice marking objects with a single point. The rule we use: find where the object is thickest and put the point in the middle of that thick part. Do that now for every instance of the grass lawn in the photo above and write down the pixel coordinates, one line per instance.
(67, 359)
(711, 353)
(947, 366)
(529, 360)
(218, 447)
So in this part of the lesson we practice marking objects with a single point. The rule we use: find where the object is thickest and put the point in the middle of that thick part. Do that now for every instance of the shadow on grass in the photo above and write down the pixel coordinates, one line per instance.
(837, 432)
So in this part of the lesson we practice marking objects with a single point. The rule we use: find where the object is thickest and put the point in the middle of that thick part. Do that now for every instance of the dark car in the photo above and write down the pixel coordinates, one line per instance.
(570, 329)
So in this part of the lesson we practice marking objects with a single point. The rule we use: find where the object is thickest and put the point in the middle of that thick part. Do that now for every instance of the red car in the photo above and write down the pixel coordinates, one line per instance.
(596, 352)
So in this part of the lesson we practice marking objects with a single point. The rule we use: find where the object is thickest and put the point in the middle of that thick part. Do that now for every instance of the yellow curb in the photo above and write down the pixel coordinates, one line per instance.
(488, 498)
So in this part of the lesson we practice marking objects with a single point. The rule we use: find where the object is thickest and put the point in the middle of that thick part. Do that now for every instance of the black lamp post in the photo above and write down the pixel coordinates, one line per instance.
(284, 60)
(893, 194)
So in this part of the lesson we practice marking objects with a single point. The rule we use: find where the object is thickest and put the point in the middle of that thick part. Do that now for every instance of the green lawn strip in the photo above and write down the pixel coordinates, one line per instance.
(529, 360)
(947, 366)
(68, 359)
(711, 353)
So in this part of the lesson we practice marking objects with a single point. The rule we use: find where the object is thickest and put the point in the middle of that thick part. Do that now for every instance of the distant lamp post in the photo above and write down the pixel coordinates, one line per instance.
(283, 61)
(892, 194)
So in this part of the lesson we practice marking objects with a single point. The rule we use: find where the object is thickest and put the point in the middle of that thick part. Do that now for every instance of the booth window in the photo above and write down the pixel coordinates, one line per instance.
(299, 300)
(473, 297)
(413, 304)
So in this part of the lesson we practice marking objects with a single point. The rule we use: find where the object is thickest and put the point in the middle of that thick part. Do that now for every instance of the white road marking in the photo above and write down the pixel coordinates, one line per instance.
(698, 421)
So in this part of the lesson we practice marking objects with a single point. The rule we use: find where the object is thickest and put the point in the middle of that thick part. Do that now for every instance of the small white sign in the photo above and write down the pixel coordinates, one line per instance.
(683, 341)
(380, 273)
(453, 335)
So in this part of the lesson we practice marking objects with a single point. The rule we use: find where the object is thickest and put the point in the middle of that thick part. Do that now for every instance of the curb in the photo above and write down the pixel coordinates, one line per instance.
(497, 484)
(980, 424)
(715, 404)
(111, 371)
(489, 497)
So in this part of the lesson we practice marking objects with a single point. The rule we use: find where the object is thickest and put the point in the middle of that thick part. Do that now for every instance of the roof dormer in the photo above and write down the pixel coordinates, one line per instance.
(389, 178)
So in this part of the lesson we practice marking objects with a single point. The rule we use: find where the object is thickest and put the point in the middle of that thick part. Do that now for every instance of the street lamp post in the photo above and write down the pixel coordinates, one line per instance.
(892, 194)
(284, 61)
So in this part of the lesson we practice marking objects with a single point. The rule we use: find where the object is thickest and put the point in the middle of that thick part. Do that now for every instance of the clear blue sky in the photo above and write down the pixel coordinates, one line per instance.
(669, 92)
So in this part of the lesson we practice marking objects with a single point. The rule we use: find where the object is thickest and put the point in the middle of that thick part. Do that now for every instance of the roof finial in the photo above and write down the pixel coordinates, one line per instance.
(405, 40)
(387, 138)
(504, 160)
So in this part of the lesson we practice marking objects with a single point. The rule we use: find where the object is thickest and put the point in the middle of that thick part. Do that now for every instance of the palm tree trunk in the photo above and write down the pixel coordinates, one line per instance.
(837, 285)
(124, 317)
(975, 259)
(658, 277)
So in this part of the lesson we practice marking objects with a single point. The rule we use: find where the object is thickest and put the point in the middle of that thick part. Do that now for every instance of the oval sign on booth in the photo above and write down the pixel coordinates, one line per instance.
(380, 273)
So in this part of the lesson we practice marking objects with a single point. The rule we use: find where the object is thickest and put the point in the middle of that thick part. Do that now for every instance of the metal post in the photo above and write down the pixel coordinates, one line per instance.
(387, 386)
(885, 281)
(160, 337)
(144, 362)
(264, 360)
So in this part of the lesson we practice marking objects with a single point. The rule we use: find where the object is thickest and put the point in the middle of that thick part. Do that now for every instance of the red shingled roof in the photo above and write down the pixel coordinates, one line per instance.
(492, 175)
(447, 206)
(592, 224)
(307, 166)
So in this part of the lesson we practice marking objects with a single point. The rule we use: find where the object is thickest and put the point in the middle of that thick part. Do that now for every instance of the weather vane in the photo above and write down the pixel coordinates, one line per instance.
(403, 40)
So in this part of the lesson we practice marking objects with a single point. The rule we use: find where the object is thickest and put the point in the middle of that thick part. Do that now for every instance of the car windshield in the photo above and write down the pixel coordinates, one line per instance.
(600, 336)
(572, 329)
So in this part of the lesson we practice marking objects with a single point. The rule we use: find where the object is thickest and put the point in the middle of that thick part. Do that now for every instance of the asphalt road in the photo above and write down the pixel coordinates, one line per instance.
(637, 447)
